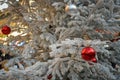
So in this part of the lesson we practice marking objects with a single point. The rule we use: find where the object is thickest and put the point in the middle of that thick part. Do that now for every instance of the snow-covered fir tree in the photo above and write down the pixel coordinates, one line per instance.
(48, 37)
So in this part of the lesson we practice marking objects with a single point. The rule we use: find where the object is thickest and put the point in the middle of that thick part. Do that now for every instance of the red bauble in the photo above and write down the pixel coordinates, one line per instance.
(49, 76)
(94, 60)
(88, 53)
(6, 30)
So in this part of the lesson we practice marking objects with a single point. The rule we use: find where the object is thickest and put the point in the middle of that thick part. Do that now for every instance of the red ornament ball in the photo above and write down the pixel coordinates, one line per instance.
(94, 60)
(49, 76)
(6, 30)
(88, 53)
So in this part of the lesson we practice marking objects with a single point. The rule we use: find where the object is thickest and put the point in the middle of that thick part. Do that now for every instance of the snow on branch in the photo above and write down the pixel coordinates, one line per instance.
(68, 63)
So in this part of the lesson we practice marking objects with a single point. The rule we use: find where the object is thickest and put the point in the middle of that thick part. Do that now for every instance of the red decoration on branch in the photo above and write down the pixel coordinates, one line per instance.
(94, 60)
(6, 30)
(49, 76)
(88, 53)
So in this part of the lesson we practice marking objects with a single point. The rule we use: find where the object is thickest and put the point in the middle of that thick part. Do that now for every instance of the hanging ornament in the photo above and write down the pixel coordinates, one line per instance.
(19, 44)
(6, 30)
(49, 76)
(71, 9)
(88, 53)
